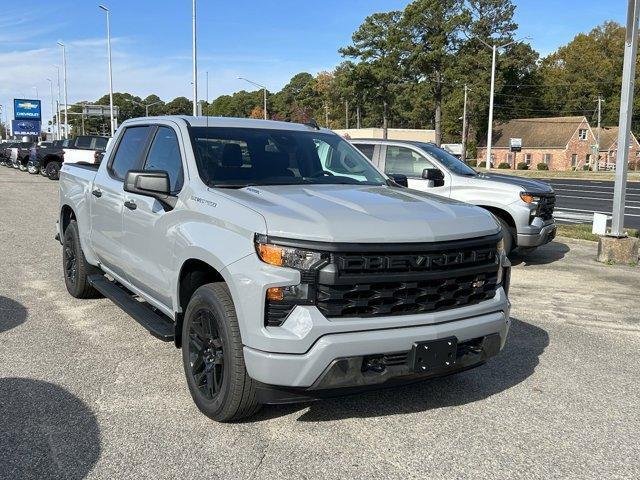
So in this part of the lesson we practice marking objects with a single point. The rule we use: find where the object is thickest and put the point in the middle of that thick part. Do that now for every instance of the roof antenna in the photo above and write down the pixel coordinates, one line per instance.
(313, 124)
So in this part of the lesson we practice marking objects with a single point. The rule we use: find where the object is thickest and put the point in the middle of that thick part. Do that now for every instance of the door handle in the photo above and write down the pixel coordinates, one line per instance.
(130, 205)
(96, 193)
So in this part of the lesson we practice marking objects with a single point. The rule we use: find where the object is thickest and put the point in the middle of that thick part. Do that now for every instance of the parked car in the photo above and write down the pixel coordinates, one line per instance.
(47, 159)
(20, 155)
(286, 266)
(523, 206)
(86, 149)
(5, 152)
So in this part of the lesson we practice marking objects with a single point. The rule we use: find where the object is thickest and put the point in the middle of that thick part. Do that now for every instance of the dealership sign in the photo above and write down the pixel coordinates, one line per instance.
(26, 109)
(25, 127)
(515, 144)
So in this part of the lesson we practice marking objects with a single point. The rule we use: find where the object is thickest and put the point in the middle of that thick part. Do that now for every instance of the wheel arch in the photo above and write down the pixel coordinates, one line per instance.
(194, 272)
(501, 213)
(66, 215)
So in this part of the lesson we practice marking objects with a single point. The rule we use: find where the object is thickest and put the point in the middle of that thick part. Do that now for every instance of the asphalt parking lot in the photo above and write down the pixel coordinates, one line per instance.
(577, 200)
(85, 392)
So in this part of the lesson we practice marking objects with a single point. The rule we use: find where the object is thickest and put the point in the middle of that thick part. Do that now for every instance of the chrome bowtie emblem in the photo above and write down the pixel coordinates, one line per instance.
(477, 284)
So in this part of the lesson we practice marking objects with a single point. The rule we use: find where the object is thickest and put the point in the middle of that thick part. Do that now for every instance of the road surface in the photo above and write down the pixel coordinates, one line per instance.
(577, 200)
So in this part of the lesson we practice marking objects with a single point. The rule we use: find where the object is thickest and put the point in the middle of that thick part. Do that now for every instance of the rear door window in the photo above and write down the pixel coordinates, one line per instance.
(164, 154)
(366, 148)
(128, 156)
(100, 143)
(83, 143)
(405, 161)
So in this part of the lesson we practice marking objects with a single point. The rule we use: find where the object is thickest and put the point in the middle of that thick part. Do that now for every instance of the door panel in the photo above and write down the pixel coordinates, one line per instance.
(106, 221)
(148, 227)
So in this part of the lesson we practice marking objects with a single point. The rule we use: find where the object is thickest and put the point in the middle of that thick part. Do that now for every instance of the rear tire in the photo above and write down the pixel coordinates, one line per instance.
(75, 268)
(22, 166)
(53, 170)
(213, 359)
(507, 236)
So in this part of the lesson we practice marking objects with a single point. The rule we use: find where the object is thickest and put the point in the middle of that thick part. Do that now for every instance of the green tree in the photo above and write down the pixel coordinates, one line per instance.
(179, 106)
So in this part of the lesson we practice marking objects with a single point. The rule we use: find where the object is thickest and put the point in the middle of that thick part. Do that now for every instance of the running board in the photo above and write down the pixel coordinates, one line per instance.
(157, 324)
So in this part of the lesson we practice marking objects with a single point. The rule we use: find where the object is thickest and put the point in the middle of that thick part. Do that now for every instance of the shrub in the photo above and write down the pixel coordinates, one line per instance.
(633, 165)
(472, 163)
(504, 166)
(482, 165)
(523, 166)
(585, 168)
(543, 166)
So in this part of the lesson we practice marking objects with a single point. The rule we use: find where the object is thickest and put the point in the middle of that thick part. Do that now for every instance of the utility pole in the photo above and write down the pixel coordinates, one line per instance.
(346, 114)
(464, 124)
(626, 111)
(358, 117)
(384, 120)
(326, 115)
(194, 61)
(59, 132)
(596, 167)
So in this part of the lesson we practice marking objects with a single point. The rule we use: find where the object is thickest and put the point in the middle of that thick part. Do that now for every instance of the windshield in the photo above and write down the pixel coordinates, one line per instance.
(238, 157)
(452, 163)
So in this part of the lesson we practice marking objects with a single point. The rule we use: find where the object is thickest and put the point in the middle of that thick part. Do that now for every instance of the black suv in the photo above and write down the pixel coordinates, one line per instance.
(47, 157)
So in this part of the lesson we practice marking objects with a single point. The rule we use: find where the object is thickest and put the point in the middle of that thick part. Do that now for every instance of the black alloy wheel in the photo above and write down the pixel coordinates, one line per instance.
(206, 354)
(70, 261)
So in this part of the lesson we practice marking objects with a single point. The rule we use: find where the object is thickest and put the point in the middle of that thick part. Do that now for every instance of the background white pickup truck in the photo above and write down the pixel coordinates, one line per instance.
(523, 206)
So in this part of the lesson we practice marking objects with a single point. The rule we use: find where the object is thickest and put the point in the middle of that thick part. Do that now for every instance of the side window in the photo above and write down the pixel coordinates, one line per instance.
(100, 143)
(403, 160)
(83, 142)
(339, 161)
(366, 148)
(165, 155)
(129, 151)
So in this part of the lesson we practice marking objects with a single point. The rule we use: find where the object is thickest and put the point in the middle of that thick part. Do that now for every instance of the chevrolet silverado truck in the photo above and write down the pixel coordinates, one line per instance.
(285, 265)
(523, 206)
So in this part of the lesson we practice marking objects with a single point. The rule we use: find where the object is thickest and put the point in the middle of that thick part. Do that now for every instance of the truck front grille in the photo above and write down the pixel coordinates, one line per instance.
(405, 298)
(546, 206)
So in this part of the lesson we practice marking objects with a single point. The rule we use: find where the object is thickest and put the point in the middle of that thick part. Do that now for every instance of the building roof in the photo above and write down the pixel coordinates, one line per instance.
(552, 132)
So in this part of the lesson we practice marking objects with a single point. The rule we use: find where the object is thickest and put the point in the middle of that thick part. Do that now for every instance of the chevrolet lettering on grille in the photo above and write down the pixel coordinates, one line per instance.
(412, 262)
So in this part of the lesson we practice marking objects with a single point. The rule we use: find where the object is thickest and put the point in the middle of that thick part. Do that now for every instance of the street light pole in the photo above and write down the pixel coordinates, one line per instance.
(464, 124)
(194, 61)
(626, 112)
(64, 76)
(264, 98)
(106, 10)
(52, 111)
(494, 49)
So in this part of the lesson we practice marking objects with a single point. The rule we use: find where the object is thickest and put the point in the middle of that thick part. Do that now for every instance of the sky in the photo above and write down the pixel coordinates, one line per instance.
(267, 41)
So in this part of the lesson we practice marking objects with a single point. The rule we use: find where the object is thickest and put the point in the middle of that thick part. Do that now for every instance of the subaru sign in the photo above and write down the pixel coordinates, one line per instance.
(26, 109)
(25, 127)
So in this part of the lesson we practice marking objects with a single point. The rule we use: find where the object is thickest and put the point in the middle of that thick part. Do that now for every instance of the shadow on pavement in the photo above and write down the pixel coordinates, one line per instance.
(549, 253)
(513, 365)
(45, 432)
(12, 314)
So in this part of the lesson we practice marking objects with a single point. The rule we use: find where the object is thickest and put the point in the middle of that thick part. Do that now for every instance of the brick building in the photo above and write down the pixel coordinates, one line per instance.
(562, 143)
(609, 147)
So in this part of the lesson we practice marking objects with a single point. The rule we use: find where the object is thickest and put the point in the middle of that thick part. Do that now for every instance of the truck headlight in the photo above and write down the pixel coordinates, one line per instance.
(287, 256)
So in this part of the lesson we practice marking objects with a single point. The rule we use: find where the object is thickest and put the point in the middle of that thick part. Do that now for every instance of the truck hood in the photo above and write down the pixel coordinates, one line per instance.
(525, 184)
(363, 214)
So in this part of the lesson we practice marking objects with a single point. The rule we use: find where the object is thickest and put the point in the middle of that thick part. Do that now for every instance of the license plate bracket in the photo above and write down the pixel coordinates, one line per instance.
(434, 354)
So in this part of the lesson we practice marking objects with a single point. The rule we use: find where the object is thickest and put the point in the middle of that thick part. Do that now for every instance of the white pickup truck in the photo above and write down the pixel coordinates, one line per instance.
(286, 266)
(523, 206)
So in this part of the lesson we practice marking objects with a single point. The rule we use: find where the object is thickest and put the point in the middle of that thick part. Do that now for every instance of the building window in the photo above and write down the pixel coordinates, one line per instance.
(574, 159)
(547, 158)
(527, 158)
(582, 134)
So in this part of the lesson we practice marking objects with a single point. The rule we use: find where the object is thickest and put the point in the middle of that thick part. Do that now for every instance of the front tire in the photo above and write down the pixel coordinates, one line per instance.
(53, 170)
(75, 268)
(22, 166)
(213, 358)
(507, 236)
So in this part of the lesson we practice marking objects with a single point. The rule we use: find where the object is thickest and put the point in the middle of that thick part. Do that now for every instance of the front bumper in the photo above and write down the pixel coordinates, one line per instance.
(335, 360)
(544, 236)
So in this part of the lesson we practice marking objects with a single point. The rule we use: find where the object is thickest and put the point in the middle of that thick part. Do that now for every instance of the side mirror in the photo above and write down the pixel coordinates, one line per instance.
(150, 183)
(399, 179)
(434, 175)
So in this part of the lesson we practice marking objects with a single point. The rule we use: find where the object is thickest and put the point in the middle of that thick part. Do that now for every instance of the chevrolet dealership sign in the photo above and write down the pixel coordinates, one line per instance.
(26, 109)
